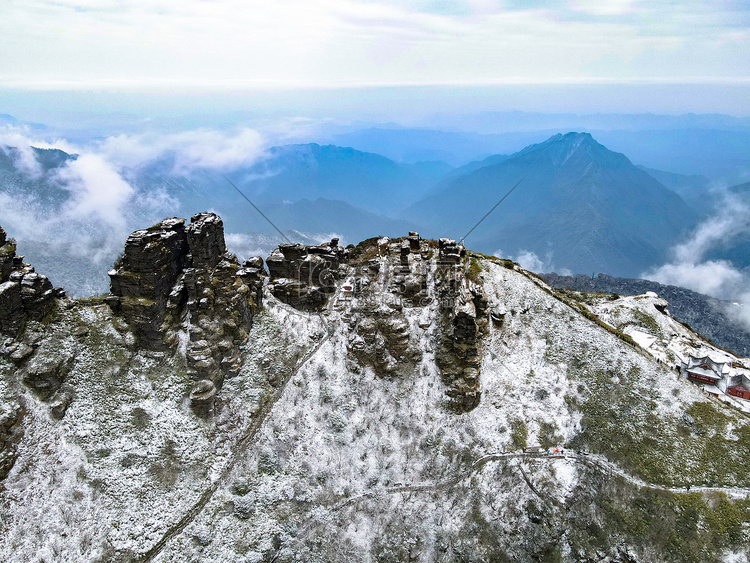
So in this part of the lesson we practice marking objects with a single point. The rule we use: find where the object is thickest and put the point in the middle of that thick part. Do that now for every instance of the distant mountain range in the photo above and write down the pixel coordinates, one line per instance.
(310, 188)
(579, 206)
(366, 180)
(693, 188)
(717, 147)
(292, 172)
(413, 145)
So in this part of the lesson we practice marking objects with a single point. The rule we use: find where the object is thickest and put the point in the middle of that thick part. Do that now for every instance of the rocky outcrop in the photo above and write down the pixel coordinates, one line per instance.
(11, 431)
(383, 341)
(384, 287)
(45, 371)
(143, 279)
(389, 277)
(176, 283)
(458, 352)
(449, 252)
(24, 293)
(305, 276)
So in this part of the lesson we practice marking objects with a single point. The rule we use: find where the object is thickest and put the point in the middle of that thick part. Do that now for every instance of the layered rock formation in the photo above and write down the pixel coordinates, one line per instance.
(460, 301)
(25, 296)
(389, 285)
(177, 281)
(305, 276)
(143, 278)
(11, 416)
(24, 293)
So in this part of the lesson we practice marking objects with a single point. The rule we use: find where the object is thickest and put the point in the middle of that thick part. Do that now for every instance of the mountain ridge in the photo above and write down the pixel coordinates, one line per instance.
(706, 315)
(352, 401)
(566, 182)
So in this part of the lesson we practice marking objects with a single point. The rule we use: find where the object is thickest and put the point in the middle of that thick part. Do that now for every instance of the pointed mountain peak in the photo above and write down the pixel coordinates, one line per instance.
(561, 147)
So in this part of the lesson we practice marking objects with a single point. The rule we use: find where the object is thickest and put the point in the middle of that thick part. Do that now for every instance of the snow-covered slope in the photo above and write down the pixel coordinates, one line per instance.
(356, 432)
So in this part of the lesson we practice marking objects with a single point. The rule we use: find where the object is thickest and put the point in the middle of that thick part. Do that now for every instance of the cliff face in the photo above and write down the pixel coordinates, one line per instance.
(24, 294)
(177, 281)
(369, 403)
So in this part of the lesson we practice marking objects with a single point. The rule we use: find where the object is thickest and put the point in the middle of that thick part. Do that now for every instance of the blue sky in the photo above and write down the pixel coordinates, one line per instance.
(270, 46)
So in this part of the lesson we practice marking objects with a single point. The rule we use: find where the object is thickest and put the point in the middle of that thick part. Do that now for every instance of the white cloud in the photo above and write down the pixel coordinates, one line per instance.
(717, 278)
(14, 144)
(18, 217)
(732, 218)
(602, 7)
(229, 44)
(96, 189)
(102, 207)
(192, 149)
(211, 149)
(94, 219)
(530, 261)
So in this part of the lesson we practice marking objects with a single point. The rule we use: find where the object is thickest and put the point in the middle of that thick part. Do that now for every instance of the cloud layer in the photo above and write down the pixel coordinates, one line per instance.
(229, 44)
(216, 150)
(717, 278)
(95, 207)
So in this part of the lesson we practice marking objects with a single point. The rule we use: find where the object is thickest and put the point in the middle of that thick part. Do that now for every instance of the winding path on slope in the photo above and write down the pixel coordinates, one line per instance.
(240, 447)
(592, 460)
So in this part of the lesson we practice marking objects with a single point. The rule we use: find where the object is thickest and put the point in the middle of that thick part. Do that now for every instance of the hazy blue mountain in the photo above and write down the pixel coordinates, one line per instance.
(325, 215)
(431, 171)
(411, 145)
(719, 154)
(287, 186)
(292, 172)
(41, 186)
(715, 146)
(464, 170)
(363, 179)
(476, 165)
(579, 207)
(695, 189)
(6, 119)
(13, 121)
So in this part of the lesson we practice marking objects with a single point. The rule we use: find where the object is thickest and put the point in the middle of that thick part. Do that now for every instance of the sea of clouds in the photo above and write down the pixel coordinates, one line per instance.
(102, 207)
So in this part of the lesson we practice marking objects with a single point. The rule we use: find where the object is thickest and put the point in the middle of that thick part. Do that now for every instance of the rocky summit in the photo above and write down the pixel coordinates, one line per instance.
(177, 286)
(24, 294)
(403, 399)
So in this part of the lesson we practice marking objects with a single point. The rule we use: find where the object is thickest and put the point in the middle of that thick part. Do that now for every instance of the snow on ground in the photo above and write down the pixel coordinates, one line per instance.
(645, 318)
(341, 432)
(345, 458)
